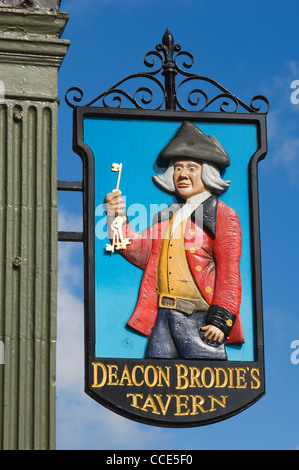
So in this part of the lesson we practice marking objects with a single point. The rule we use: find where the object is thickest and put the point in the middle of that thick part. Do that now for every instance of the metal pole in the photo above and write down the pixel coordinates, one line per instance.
(30, 56)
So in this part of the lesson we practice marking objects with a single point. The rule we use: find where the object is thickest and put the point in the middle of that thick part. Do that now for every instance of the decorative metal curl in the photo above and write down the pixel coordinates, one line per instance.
(185, 64)
(223, 105)
(224, 93)
(168, 53)
(153, 62)
(260, 98)
(119, 94)
(133, 99)
(77, 99)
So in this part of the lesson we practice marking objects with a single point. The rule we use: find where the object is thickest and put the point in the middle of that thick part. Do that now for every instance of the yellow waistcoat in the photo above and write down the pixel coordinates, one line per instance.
(174, 275)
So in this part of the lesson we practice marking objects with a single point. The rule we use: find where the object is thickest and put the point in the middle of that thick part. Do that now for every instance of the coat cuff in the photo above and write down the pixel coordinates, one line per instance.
(222, 318)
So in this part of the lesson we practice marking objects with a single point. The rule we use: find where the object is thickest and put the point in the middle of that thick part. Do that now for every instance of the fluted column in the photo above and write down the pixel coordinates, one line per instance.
(31, 52)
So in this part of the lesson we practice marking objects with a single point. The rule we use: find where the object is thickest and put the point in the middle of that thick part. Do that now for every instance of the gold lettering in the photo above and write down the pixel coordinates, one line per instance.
(241, 378)
(112, 374)
(225, 378)
(180, 405)
(161, 404)
(203, 377)
(194, 375)
(138, 384)
(126, 376)
(255, 378)
(155, 376)
(196, 405)
(182, 377)
(231, 378)
(134, 396)
(217, 400)
(95, 374)
(149, 403)
(162, 374)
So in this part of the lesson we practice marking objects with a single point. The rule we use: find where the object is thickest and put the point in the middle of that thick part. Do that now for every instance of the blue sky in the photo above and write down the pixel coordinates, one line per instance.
(250, 48)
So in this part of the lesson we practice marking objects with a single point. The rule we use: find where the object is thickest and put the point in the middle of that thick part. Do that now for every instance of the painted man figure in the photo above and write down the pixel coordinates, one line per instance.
(190, 293)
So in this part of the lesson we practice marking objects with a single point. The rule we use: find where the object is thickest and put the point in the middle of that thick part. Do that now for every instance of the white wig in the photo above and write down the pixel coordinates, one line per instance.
(210, 176)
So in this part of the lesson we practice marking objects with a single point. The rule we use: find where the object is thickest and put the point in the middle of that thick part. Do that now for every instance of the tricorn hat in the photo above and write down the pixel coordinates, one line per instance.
(190, 142)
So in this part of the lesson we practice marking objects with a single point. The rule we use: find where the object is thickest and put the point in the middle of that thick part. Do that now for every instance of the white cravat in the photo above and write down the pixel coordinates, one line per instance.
(186, 210)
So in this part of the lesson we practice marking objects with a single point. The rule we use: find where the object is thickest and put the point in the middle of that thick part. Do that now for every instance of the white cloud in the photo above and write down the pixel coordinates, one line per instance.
(69, 222)
(86, 425)
(70, 340)
(283, 121)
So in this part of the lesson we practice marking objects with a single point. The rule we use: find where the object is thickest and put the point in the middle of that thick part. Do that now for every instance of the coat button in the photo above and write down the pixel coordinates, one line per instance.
(208, 289)
(198, 268)
(192, 250)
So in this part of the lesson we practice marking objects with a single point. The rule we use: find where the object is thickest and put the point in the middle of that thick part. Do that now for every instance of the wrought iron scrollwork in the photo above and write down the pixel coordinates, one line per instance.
(169, 60)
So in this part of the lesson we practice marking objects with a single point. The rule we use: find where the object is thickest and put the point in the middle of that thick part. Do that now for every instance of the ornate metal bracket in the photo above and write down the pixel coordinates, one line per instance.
(157, 94)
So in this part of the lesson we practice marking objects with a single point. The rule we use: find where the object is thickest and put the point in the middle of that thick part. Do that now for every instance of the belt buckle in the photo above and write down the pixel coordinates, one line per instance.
(170, 298)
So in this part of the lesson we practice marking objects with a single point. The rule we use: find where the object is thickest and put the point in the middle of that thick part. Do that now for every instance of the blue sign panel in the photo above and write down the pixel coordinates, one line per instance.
(136, 144)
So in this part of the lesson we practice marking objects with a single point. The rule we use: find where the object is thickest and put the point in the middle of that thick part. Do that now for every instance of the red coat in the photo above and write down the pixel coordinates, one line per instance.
(213, 254)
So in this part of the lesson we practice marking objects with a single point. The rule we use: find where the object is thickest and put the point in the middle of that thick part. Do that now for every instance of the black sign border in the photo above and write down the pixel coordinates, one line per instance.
(86, 155)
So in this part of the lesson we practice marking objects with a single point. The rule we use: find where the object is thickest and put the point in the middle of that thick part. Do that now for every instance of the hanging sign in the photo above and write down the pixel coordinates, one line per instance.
(173, 301)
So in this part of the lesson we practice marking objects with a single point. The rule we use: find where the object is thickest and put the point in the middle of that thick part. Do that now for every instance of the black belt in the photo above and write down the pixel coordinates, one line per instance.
(184, 305)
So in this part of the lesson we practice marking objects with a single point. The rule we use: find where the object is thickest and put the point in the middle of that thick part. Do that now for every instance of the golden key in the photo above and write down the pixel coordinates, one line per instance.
(117, 167)
(118, 241)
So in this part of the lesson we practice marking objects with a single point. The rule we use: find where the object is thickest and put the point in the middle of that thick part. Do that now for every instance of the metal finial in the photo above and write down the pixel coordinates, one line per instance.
(167, 39)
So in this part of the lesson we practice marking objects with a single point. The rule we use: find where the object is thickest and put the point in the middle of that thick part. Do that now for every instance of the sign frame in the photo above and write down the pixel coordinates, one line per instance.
(237, 373)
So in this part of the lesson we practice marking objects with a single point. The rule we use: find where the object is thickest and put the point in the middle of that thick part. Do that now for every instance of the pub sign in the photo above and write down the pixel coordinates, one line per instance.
(173, 301)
